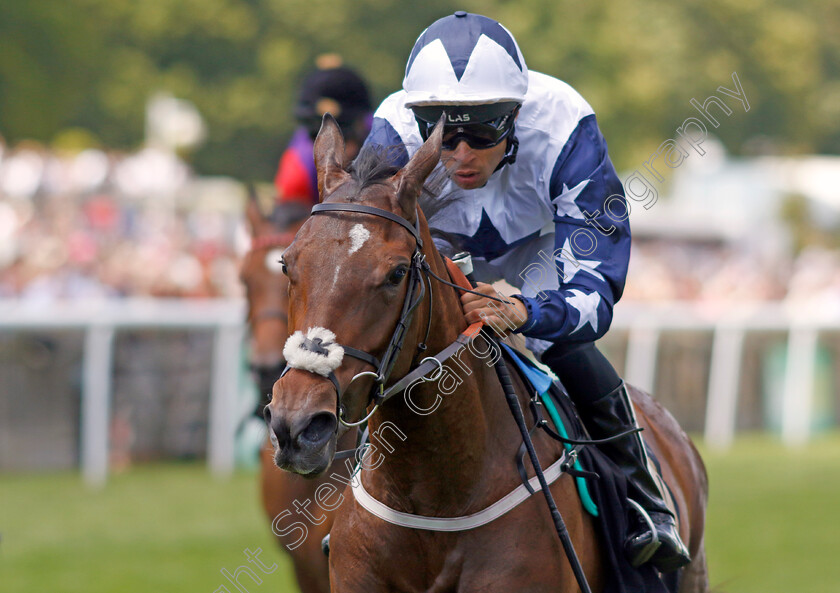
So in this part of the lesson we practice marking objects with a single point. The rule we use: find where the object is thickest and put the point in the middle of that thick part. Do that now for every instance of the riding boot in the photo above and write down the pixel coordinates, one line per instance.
(655, 538)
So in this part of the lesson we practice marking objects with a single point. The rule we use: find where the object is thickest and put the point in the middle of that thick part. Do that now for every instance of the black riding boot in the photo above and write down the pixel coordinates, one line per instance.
(656, 538)
(606, 410)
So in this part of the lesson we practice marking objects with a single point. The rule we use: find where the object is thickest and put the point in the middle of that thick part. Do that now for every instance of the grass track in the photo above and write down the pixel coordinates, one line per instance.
(156, 528)
(773, 527)
(774, 517)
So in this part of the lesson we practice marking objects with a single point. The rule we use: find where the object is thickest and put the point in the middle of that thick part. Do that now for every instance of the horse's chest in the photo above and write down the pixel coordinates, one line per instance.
(510, 554)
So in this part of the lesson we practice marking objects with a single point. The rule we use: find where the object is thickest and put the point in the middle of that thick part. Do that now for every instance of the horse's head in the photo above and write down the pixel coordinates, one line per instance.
(354, 271)
(267, 288)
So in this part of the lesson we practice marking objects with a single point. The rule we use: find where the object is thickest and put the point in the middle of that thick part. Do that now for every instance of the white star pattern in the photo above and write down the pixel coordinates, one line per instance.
(587, 305)
(565, 202)
(572, 266)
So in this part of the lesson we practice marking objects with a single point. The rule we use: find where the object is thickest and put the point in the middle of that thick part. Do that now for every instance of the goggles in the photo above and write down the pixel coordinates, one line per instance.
(480, 135)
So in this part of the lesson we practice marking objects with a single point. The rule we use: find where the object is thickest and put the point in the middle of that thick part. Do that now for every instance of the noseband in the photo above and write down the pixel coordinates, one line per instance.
(414, 295)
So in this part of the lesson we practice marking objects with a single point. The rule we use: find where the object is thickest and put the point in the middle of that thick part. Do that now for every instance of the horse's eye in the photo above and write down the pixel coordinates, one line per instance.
(397, 275)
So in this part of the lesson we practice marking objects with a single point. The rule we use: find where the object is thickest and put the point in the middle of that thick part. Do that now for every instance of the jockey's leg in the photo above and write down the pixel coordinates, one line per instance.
(605, 408)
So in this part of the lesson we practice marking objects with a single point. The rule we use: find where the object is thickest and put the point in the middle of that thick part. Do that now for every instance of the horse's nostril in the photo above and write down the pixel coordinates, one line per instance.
(267, 415)
(319, 430)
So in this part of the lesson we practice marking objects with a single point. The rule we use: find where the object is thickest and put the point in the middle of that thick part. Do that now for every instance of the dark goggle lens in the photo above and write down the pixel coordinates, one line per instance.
(479, 135)
(476, 136)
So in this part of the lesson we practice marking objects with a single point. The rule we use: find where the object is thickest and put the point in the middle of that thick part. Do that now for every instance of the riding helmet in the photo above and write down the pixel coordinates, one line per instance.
(337, 90)
(465, 59)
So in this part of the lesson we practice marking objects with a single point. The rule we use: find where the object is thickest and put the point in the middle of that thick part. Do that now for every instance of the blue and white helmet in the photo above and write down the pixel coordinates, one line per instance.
(465, 59)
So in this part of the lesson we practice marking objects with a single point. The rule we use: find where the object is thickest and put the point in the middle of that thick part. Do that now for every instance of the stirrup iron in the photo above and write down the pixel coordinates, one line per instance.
(650, 549)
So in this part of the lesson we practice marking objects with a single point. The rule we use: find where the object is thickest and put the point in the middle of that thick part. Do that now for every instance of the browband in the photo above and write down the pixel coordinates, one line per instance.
(357, 208)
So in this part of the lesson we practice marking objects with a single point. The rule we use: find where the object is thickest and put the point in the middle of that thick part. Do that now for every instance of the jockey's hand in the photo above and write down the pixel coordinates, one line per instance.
(504, 318)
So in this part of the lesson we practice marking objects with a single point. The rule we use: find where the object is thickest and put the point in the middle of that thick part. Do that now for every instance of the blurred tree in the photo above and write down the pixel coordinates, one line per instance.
(94, 63)
(48, 53)
(809, 224)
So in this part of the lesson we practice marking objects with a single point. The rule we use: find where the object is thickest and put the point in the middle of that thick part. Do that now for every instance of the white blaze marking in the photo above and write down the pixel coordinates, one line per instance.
(358, 235)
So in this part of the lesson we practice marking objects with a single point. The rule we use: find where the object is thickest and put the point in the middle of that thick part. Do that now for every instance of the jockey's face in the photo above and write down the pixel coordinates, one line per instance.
(470, 168)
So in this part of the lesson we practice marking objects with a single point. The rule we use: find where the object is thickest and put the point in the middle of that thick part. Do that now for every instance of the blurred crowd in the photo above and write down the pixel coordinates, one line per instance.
(684, 271)
(93, 224)
(675, 271)
(96, 225)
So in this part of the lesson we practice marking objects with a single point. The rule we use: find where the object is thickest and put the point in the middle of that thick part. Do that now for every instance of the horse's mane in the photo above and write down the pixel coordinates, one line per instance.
(376, 164)
(373, 165)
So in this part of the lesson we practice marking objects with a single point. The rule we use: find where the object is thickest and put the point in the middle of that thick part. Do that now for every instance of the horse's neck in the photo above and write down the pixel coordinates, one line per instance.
(442, 438)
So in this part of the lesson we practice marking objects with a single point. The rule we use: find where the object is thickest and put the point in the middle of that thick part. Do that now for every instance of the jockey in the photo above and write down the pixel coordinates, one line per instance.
(331, 88)
(533, 197)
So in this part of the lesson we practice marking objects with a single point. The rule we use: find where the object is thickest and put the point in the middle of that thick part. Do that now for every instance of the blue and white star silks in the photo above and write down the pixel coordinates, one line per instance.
(565, 202)
(587, 307)
(528, 225)
(571, 265)
(487, 241)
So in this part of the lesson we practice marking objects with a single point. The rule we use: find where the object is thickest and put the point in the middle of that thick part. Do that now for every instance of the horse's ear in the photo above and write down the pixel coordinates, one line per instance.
(409, 181)
(329, 156)
(253, 213)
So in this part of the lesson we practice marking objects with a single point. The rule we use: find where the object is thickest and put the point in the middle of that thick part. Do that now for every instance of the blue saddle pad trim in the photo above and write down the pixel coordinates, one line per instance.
(538, 378)
(542, 382)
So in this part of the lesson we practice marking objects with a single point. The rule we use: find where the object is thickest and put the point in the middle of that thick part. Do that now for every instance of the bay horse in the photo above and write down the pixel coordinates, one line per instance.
(267, 296)
(355, 269)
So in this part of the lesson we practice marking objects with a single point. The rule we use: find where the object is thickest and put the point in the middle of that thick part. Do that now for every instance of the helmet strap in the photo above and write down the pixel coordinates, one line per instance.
(510, 153)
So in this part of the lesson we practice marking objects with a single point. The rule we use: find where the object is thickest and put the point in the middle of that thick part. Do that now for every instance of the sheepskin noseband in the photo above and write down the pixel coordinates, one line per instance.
(317, 351)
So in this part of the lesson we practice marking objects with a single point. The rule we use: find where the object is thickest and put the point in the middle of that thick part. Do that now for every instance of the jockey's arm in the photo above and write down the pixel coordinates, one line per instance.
(592, 248)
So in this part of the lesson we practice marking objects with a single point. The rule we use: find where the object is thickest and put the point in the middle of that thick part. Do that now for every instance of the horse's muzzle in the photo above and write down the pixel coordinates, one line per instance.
(304, 443)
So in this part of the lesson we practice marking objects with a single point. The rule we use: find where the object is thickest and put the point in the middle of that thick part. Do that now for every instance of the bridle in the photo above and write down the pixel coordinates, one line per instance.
(415, 293)
(419, 276)
(267, 374)
(280, 240)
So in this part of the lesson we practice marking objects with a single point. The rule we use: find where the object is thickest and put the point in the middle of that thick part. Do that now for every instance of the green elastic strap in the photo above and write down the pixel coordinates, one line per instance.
(583, 488)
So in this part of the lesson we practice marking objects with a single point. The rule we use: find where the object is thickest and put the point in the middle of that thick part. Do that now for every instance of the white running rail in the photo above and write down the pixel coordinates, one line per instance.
(100, 320)
(644, 324)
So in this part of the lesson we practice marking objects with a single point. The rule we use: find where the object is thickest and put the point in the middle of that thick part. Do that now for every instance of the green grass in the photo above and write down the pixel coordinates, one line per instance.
(156, 528)
(774, 517)
(772, 527)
